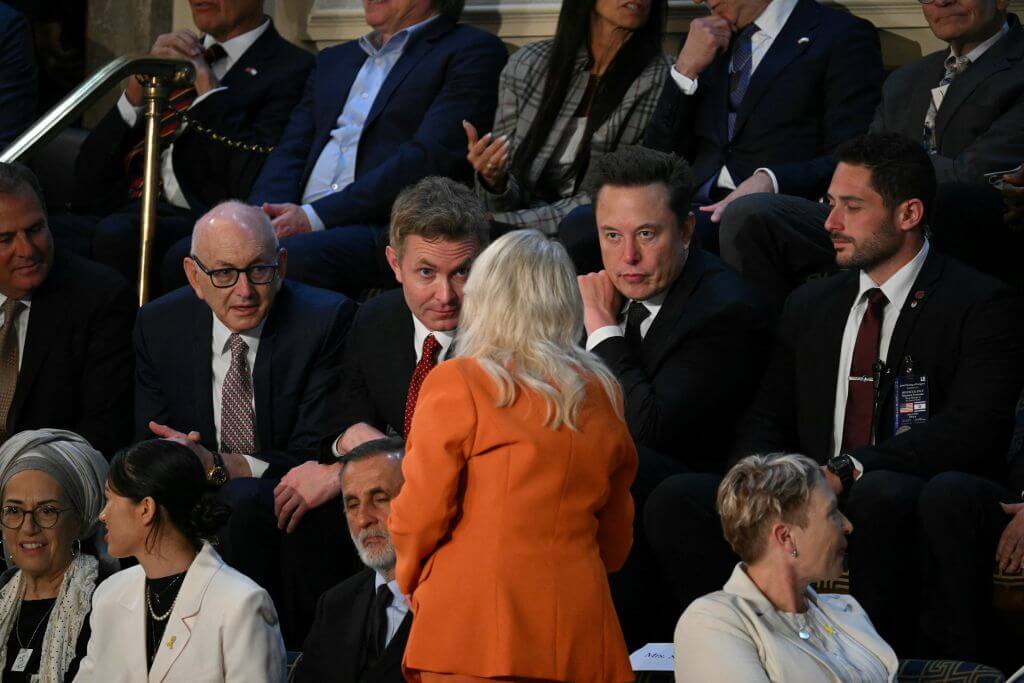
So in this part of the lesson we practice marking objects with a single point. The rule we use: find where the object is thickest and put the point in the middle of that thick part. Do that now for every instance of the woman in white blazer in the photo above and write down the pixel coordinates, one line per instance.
(767, 624)
(181, 614)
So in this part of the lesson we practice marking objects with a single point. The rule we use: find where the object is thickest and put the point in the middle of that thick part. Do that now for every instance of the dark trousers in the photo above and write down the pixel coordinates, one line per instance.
(114, 240)
(777, 242)
(578, 234)
(294, 568)
(683, 528)
(962, 523)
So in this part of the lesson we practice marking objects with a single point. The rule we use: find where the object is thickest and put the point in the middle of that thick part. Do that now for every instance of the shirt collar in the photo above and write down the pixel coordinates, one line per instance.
(897, 287)
(25, 300)
(975, 54)
(371, 41)
(221, 333)
(237, 46)
(421, 332)
(398, 600)
(774, 17)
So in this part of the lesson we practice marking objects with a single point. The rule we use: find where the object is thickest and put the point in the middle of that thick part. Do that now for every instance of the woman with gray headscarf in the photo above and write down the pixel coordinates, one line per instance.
(51, 492)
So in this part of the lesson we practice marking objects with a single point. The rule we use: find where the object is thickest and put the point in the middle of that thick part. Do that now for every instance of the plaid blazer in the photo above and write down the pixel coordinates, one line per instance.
(519, 96)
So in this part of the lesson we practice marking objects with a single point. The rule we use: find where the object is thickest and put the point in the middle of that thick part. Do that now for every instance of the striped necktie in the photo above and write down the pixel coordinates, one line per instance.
(12, 308)
(741, 66)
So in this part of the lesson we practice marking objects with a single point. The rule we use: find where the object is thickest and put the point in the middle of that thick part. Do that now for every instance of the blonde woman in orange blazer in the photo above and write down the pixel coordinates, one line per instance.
(516, 501)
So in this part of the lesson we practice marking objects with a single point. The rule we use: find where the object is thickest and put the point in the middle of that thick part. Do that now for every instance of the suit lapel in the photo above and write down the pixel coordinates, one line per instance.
(916, 301)
(185, 612)
(829, 342)
(391, 658)
(418, 45)
(263, 372)
(351, 640)
(786, 47)
(672, 320)
(259, 54)
(996, 58)
(45, 324)
(202, 376)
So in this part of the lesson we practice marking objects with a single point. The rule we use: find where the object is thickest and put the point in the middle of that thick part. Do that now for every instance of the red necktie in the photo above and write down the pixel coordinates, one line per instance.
(431, 349)
(860, 398)
(170, 123)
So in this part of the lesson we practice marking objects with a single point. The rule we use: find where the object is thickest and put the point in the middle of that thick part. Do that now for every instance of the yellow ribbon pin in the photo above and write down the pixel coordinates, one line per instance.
(170, 643)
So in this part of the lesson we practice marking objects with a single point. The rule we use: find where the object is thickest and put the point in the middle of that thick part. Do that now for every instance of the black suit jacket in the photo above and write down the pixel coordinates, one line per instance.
(964, 334)
(295, 375)
(379, 361)
(700, 363)
(76, 372)
(333, 650)
(261, 89)
(980, 126)
(817, 87)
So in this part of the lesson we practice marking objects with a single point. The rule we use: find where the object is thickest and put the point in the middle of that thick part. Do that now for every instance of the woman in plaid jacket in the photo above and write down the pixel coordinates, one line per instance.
(591, 88)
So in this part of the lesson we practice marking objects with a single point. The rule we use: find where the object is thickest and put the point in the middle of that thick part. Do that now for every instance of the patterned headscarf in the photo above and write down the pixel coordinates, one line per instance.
(78, 467)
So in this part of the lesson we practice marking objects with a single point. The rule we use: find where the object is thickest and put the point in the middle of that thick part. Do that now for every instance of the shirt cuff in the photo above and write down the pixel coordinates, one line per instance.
(771, 174)
(858, 467)
(314, 219)
(602, 333)
(687, 85)
(257, 466)
(129, 112)
(205, 95)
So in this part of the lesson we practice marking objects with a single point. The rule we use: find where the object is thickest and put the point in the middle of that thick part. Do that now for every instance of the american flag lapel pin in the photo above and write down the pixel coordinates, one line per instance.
(251, 71)
(803, 41)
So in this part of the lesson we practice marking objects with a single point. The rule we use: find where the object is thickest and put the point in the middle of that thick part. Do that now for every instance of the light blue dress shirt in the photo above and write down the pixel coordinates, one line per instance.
(335, 169)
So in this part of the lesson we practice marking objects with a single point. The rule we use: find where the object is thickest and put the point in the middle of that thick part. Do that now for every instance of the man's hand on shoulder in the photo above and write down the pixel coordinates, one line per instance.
(706, 38)
(356, 435)
(601, 301)
(305, 487)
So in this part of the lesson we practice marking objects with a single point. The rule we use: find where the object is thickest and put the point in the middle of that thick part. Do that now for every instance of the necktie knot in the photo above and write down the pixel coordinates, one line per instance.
(956, 65)
(214, 53)
(384, 595)
(876, 298)
(237, 345)
(431, 349)
(11, 309)
(636, 314)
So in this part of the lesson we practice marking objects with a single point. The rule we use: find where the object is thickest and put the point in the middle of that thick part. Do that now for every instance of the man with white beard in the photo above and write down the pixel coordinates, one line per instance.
(362, 624)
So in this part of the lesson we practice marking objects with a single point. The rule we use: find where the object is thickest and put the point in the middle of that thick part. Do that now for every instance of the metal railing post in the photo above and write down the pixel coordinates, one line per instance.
(155, 99)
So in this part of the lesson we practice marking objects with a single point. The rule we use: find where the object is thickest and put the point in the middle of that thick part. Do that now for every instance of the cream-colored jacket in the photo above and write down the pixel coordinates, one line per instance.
(223, 627)
(735, 634)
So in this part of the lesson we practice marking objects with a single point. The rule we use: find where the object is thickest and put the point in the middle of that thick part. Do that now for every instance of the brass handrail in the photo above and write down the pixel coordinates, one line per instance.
(158, 75)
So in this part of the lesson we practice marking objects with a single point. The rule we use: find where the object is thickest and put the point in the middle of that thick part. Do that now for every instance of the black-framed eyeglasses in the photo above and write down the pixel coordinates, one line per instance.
(45, 516)
(259, 274)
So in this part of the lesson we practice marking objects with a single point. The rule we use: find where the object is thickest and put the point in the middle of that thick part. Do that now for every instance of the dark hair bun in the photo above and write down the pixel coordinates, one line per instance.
(209, 515)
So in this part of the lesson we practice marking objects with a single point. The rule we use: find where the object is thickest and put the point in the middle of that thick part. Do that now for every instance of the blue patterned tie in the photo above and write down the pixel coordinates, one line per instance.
(739, 70)
(954, 67)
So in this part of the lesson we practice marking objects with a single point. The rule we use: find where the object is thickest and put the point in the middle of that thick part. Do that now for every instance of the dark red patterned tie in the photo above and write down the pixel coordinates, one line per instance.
(861, 395)
(431, 349)
(170, 123)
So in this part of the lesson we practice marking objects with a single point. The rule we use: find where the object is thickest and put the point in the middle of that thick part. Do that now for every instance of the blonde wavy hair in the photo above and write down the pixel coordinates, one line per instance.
(522, 320)
(761, 490)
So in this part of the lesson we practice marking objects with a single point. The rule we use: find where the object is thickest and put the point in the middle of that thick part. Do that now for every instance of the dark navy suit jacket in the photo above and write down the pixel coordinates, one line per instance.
(817, 86)
(295, 375)
(17, 75)
(447, 73)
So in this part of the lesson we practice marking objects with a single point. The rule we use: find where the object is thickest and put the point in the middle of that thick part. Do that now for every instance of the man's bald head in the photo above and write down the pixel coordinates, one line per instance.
(236, 237)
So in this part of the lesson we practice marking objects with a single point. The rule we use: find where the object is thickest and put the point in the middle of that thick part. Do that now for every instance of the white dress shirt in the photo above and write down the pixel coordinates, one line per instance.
(769, 24)
(397, 609)
(22, 323)
(896, 290)
(653, 304)
(131, 114)
(221, 361)
(335, 168)
(420, 334)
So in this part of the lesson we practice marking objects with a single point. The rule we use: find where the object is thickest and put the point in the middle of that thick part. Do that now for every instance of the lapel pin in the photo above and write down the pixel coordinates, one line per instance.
(170, 643)
(251, 71)
(803, 41)
(918, 296)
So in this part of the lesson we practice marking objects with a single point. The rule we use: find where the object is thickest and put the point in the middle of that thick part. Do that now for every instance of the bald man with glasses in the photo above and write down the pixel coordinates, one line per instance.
(243, 365)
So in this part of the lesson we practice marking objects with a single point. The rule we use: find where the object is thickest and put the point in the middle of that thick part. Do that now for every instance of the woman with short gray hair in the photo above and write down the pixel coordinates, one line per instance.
(767, 624)
(51, 486)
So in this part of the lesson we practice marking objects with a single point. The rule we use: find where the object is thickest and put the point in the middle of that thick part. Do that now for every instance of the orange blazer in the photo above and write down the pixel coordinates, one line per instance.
(505, 530)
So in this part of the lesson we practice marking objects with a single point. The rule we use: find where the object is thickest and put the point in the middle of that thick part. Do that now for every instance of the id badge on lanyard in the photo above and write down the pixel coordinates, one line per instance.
(911, 404)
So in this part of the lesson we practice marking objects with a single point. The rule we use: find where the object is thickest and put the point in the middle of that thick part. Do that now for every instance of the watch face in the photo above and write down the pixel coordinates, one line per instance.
(217, 476)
